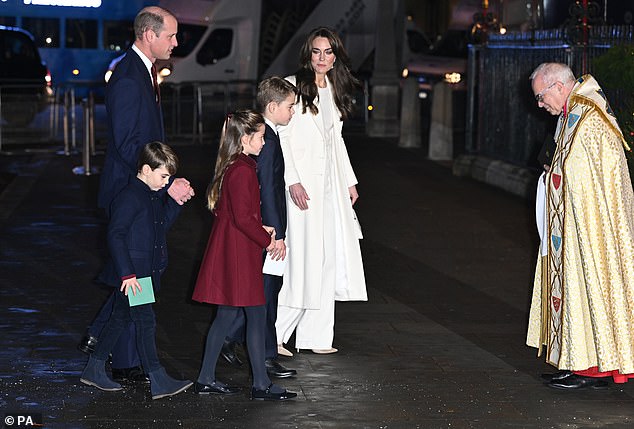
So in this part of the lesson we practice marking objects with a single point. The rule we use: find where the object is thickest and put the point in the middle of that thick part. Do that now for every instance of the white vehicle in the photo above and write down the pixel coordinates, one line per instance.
(218, 41)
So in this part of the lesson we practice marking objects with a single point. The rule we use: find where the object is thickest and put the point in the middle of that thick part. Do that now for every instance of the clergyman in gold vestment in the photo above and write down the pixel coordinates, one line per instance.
(582, 307)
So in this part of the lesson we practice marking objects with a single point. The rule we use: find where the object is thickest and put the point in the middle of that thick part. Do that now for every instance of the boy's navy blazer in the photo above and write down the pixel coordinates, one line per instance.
(270, 171)
(137, 234)
(134, 119)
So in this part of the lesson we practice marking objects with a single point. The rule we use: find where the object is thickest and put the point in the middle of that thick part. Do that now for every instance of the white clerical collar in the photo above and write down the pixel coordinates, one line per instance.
(146, 60)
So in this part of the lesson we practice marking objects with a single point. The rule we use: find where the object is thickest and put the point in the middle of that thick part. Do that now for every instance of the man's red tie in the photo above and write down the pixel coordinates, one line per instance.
(157, 90)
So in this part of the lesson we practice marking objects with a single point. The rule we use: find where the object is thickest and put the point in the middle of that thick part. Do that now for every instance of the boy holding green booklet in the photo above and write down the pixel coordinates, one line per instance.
(140, 218)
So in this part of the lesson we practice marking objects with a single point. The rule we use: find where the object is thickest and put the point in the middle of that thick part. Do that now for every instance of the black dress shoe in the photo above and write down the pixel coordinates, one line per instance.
(215, 388)
(275, 369)
(267, 395)
(130, 375)
(87, 344)
(559, 375)
(575, 381)
(228, 353)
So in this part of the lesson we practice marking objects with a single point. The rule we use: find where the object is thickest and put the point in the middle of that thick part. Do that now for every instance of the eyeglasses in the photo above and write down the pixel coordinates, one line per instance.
(540, 96)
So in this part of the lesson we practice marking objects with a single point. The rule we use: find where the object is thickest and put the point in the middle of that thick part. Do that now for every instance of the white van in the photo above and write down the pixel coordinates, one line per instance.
(218, 41)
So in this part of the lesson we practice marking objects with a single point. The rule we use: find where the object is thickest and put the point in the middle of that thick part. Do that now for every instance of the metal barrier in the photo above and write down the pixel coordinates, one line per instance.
(88, 108)
(203, 105)
(69, 124)
(192, 111)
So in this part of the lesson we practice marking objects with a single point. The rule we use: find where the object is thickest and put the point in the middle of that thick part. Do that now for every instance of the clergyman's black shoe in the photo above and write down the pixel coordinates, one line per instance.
(559, 375)
(215, 388)
(130, 375)
(87, 344)
(575, 381)
(228, 353)
(275, 369)
(268, 395)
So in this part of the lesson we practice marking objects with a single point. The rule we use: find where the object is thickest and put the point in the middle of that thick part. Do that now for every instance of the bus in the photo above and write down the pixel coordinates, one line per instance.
(77, 39)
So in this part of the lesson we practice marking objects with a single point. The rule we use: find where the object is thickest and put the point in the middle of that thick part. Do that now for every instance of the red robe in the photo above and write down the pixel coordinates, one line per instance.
(231, 269)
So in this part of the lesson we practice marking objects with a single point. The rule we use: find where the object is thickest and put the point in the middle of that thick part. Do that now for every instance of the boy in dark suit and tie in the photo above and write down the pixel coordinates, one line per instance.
(276, 98)
(139, 220)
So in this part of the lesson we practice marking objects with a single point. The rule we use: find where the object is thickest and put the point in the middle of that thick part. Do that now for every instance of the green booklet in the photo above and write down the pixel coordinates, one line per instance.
(146, 296)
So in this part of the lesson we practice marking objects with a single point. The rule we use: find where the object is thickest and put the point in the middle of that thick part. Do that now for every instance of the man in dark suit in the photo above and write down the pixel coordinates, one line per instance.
(276, 98)
(134, 119)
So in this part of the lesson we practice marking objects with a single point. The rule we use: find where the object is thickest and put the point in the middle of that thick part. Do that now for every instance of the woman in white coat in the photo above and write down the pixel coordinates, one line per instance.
(324, 261)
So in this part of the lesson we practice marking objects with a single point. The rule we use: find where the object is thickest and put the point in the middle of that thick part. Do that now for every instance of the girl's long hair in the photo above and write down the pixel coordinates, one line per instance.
(343, 83)
(237, 124)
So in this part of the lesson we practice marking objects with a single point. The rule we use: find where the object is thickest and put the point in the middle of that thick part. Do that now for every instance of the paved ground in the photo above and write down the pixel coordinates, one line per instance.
(439, 344)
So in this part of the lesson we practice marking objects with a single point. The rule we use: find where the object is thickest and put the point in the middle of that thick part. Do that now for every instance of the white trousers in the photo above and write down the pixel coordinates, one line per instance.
(315, 328)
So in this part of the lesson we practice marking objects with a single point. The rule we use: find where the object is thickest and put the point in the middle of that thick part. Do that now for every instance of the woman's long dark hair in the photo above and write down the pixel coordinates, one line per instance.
(343, 83)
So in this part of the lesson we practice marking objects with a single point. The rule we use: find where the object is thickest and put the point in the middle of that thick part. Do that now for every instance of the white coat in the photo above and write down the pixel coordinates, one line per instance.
(303, 148)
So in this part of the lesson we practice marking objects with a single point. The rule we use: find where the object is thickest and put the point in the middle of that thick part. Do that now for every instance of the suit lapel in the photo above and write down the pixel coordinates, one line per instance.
(149, 89)
(271, 133)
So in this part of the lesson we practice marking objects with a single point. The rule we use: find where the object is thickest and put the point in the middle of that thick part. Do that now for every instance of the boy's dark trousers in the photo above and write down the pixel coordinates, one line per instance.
(124, 352)
(142, 317)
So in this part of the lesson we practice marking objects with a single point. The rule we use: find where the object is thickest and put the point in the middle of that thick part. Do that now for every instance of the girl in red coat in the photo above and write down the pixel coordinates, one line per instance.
(231, 270)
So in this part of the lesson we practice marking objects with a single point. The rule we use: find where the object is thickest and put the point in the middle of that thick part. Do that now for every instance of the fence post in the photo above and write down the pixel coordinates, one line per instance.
(91, 121)
(52, 123)
(87, 107)
(73, 120)
(472, 78)
(65, 122)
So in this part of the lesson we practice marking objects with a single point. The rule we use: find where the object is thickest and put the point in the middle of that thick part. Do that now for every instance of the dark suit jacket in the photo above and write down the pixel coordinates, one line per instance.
(137, 234)
(134, 119)
(270, 171)
(545, 156)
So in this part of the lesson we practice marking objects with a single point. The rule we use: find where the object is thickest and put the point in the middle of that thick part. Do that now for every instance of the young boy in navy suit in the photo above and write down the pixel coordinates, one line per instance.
(275, 98)
(139, 221)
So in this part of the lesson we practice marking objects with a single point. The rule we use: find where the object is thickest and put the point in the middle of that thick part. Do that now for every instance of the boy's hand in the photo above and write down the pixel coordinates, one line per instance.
(180, 190)
(130, 283)
(279, 251)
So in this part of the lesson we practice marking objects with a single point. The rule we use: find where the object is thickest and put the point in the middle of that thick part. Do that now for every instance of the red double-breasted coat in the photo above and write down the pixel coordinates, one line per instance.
(231, 268)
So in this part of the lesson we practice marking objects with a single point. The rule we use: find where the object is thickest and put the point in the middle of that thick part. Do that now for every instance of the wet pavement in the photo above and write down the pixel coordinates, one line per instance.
(439, 344)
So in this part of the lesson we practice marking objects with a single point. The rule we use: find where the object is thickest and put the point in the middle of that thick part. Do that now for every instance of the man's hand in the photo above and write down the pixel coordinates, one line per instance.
(354, 195)
(299, 196)
(180, 190)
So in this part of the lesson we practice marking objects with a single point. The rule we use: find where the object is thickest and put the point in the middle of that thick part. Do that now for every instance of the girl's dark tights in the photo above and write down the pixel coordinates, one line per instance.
(255, 322)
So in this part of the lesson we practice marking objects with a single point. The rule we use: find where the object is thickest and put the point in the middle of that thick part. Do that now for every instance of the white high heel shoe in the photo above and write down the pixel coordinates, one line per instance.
(281, 350)
(325, 351)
